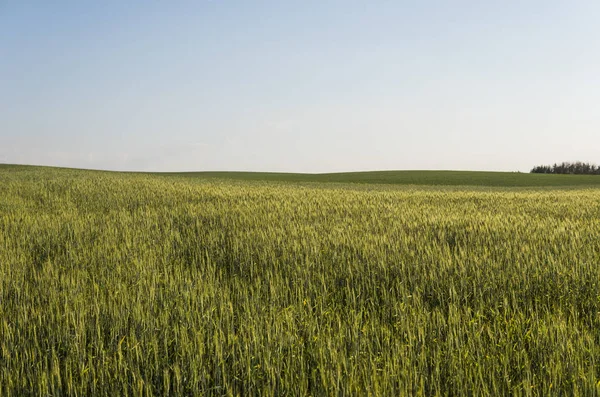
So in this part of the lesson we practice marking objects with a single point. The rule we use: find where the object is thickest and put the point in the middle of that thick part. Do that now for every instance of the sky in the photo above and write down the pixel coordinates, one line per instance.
(299, 86)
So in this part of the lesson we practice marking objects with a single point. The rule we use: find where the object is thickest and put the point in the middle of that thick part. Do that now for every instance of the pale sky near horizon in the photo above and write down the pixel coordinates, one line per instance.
(299, 86)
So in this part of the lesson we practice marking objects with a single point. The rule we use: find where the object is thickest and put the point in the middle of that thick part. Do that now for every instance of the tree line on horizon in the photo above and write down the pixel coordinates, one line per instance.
(576, 168)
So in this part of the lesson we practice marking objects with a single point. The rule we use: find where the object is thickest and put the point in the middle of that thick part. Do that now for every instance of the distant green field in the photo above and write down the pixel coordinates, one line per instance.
(438, 178)
(421, 178)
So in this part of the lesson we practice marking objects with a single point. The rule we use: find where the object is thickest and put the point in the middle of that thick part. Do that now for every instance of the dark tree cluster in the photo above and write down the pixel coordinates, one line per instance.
(577, 167)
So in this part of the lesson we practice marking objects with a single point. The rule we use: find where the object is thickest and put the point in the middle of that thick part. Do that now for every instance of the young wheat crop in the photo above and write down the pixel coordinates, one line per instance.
(125, 284)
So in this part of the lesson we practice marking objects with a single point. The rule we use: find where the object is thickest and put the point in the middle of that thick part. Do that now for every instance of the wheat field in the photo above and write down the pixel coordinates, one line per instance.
(149, 285)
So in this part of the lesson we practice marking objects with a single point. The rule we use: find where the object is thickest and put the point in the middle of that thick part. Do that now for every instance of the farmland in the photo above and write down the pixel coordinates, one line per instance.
(288, 284)
(420, 178)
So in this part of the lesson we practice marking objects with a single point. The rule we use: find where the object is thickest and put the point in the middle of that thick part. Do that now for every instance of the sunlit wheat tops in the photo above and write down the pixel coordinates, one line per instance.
(124, 284)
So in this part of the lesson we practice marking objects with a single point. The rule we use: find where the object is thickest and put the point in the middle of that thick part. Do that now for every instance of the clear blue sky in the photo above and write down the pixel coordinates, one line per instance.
(305, 86)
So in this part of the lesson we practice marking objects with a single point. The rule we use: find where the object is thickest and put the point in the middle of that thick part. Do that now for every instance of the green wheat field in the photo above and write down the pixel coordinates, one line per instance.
(365, 284)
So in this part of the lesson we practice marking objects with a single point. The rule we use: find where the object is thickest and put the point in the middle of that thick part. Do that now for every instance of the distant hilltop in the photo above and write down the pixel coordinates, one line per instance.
(415, 177)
